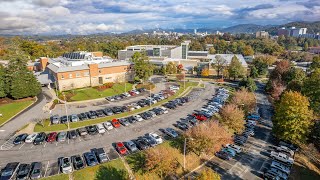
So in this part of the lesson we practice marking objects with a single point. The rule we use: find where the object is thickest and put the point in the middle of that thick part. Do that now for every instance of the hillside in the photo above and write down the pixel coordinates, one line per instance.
(245, 28)
(313, 27)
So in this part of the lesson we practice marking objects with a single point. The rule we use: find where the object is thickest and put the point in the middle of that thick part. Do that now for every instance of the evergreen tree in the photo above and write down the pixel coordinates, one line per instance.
(254, 72)
(2, 82)
(143, 68)
(235, 68)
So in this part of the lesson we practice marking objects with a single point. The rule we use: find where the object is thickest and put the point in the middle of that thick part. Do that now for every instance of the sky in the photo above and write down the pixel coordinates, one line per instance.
(99, 16)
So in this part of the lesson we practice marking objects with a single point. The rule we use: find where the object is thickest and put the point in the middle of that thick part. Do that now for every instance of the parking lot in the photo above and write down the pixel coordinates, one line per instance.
(48, 153)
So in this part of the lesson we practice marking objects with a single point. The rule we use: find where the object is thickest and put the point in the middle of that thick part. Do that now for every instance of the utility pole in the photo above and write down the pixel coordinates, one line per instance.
(184, 153)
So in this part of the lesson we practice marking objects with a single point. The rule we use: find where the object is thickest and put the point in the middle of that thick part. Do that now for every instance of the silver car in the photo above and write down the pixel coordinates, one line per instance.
(36, 170)
(62, 136)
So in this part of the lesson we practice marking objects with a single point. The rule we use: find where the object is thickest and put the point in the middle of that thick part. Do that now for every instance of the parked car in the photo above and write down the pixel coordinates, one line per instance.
(150, 140)
(156, 137)
(90, 159)
(285, 150)
(116, 110)
(281, 157)
(124, 121)
(115, 123)
(171, 132)
(72, 134)
(270, 175)
(230, 151)
(9, 171)
(131, 146)
(65, 165)
(165, 110)
(20, 139)
(121, 148)
(101, 155)
(234, 147)
(23, 172)
(223, 155)
(108, 111)
(131, 119)
(36, 172)
(82, 131)
(280, 173)
(92, 114)
(101, 129)
(142, 145)
(200, 117)
(64, 119)
(62, 136)
(82, 116)
(77, 162)
(40, 138)
(92, 130)
(110, 98)
(55, 119)
(254, 116)
(100, 113)
(280, 166)
(182, 126)
(108, 125)
(52, 137)
(31, 138)
(73, 118)
(144, 116)
(289, 145)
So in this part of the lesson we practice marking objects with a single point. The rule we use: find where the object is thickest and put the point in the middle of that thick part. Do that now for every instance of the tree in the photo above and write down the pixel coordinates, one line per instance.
(244, 99)
(248, 83)
(143, 68)
(254, 72)
(179, 68)
(163, 70)
(232, 117)
(235, 68)
(295, 78)
(212, 50)
(208, 173)
(248, 51)
(171, 68)
(293, 118)
(207, 138)
(306, 46)
(20, 82)
(315, 63)
(205, 72)
(260, 66)
(162, 160)
(180, 77)
(311, 89)
(3, 92)
(219, 64)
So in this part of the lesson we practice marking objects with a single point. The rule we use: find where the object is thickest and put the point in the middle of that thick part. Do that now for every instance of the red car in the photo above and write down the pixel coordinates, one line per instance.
(52, 137)
(132, 93)
(115, 123)
(200, 117)
(121, 148)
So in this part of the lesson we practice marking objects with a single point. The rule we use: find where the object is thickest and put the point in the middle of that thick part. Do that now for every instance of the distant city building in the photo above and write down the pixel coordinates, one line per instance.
(219, 33)
(262, 34)
(297, 32)
(195, 31)
(83, 69)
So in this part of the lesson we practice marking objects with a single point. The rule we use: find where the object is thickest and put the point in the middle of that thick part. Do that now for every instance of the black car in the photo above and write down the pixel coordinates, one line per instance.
(117, 110)
(223, 155)
(23, 171)
(108, 111)
(36, 171)
(82, 116)
(64, 119)
(100, 113)
(72, 134)
(100, 154)
(40, 138)
(131, 119)
(142, 90)
(77, 162)
(20, 138)
(90, 158)
(145, 115)
(141, 144)
(9, 171)
(151, 142)
(142, 103)
(124, 109)
(124, 121)
(92, 130)
(158, 111)
(182, 126)
(170, 105)
(92, 114)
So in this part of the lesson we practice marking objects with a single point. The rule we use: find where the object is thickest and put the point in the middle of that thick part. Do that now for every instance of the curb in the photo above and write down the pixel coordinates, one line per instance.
(19, 112)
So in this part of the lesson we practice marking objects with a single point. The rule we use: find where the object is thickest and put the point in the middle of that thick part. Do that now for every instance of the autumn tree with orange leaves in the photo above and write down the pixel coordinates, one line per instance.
(232, 117)
(244, 99)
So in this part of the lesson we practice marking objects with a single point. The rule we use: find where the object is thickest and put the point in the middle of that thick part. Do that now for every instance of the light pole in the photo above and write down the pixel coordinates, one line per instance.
(184, 152)
(65, 106)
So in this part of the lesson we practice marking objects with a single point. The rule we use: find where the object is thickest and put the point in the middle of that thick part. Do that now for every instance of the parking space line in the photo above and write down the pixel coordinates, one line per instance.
(80, 139)
(68, 141)
(45, 172)
(56, 143)
(32, 146)
(45, 144)
(116, 129)
(22, 145)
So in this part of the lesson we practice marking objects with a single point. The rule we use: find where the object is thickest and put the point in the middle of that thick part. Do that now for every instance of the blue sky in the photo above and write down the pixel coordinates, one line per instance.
(96, 16)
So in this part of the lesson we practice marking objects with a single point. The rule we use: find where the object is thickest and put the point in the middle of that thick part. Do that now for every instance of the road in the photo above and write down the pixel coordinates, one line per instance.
(48, 153)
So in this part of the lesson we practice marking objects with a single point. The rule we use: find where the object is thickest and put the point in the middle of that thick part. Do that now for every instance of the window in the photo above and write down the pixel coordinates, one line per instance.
(86, 73)
(70, 75)
(77, 74)
(62, 76)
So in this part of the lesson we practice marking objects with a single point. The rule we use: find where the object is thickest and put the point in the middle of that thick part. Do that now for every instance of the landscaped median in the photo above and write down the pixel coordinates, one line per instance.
(60, 127)
(11, 109)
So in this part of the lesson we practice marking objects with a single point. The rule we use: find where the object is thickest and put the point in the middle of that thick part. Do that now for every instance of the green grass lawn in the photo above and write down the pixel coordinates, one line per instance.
(113, 170)
(57, 177)
(92, 93)
(11, 109)
(60, 127)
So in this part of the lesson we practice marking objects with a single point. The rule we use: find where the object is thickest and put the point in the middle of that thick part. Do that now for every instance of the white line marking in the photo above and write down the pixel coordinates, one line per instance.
(68, 140)
(45, 144)
(45, 172)
(80, 139)
(22, 145)
(32, 146)
(56, 143)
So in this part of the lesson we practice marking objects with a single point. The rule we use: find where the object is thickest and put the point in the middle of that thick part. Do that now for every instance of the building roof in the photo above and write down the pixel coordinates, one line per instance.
(228, 58)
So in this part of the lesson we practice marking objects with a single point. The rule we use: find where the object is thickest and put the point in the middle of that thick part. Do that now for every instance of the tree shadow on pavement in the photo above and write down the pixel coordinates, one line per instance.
(110, 173)
(224, 174)
(137, 161)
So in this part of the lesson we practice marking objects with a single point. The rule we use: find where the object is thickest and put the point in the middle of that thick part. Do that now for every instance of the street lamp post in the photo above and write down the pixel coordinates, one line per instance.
(65, 106)
(184, 152)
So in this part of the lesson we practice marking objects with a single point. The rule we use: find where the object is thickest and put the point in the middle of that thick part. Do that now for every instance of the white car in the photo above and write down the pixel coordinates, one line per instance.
(174, 88)
(234, 147)
(31, 138)
(165, 110)
(65, 165)
(282, 157)
(135, 105)
(101, 129)
(138, 118)
(126, 94)
(285, 149)
(135, 91)
(156, 137)
(108, 125)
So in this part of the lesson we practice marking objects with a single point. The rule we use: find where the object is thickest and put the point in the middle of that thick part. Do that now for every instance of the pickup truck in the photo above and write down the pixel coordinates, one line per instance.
(281, 157)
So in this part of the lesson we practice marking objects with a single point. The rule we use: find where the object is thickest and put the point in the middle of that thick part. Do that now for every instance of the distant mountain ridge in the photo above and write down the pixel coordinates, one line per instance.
(313, 27)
